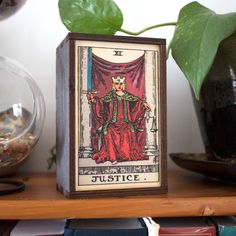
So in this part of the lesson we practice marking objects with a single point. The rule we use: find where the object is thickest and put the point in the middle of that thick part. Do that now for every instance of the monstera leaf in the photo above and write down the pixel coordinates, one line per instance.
(197, 36)
(91, 16)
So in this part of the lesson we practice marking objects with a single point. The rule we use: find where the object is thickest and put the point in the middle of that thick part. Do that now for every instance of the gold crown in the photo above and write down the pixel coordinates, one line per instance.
(118, 79)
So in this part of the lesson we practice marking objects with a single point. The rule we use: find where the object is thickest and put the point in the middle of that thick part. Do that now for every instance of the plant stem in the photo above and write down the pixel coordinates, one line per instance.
(148, 28)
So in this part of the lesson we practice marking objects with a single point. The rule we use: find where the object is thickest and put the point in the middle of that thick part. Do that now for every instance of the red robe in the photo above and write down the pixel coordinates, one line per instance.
(119, 117)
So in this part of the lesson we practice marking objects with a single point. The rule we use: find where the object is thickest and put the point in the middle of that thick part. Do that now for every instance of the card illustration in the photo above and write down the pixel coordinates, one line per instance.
(117, 116)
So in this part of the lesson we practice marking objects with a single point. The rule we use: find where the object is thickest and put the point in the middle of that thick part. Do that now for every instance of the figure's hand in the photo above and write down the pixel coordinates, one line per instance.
(147, 106)
(90, 97)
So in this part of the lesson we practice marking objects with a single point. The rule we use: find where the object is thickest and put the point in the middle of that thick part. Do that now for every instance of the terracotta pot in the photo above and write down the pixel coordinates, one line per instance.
(216, 109)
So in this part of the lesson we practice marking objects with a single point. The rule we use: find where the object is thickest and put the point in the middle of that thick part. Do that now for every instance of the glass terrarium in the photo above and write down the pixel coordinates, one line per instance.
(9, 7)
(22, 112)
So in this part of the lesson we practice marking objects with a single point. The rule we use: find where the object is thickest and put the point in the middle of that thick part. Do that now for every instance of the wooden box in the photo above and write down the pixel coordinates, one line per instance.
(111, 115)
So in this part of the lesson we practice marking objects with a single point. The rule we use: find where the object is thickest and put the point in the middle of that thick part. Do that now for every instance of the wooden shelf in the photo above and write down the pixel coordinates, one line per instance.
(189, 195)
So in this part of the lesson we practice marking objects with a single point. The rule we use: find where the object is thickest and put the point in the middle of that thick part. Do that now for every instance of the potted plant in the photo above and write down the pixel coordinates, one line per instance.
(198, 35)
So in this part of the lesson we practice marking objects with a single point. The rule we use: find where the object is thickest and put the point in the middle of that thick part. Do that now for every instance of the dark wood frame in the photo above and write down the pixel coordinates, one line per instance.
(65, 96)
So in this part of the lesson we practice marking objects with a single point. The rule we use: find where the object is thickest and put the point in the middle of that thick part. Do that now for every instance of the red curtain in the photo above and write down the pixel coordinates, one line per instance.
(103, 70)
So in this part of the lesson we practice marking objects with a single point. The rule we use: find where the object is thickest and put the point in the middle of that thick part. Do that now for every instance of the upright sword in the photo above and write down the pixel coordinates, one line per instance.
(89, 75)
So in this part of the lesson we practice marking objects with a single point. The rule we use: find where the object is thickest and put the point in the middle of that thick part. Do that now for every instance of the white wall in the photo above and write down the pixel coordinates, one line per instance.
(32, 35)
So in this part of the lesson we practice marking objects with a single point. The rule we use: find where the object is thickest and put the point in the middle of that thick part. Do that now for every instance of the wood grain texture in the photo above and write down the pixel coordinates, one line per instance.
(189, 195)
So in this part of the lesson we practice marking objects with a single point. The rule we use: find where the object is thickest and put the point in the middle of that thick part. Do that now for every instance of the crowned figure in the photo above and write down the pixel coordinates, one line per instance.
(119, 113)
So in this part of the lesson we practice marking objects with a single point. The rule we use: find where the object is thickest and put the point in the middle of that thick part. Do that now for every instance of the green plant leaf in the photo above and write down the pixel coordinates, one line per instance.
(197, 36)
(91, 16)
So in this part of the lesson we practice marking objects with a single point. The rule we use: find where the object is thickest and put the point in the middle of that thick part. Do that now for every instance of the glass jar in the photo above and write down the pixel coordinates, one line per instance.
(22, 113)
